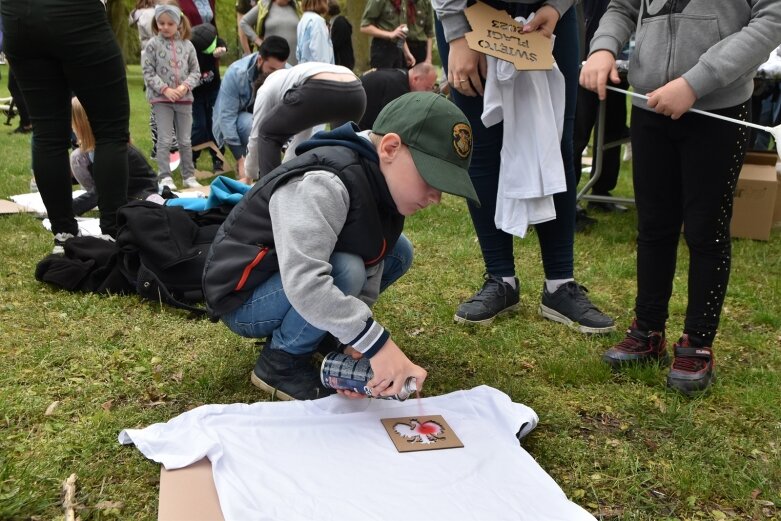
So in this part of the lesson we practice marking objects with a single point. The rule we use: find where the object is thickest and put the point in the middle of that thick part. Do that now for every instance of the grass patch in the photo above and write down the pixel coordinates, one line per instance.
(619, 444)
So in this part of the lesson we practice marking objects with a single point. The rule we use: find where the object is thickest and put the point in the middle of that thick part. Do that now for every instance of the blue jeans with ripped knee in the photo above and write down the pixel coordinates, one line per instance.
(268, 312)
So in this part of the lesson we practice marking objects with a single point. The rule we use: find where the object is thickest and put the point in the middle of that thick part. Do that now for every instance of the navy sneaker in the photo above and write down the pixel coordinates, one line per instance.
(494, 298)
(288, 377)
(693, 369)
(638, 347)
(570, 305)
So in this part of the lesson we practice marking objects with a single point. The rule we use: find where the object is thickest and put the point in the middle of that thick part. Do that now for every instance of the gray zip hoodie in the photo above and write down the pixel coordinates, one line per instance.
(715, 46)
(170, 62)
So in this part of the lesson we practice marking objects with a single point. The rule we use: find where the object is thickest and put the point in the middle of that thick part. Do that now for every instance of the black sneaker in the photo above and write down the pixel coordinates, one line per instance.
(582, 221)
(638, 347)
(287, 376)
(494, 298)
(692, 370)
(570, 305)
(330, 344)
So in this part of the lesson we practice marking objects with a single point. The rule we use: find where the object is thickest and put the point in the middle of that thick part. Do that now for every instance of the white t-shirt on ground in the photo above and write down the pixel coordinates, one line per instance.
(331, 459)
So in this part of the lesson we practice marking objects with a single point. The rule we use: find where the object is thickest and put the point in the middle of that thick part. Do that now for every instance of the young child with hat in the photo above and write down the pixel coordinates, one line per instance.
(311, 246)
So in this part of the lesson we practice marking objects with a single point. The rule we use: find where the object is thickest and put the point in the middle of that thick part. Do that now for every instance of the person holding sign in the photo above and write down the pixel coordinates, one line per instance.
(563, 300)
(685, 165)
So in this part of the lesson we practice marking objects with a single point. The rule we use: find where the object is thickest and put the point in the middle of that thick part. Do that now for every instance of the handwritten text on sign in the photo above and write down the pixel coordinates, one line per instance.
(496, 34)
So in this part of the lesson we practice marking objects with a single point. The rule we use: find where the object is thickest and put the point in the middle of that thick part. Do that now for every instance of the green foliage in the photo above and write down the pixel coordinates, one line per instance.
(78, 368)
(128, 37)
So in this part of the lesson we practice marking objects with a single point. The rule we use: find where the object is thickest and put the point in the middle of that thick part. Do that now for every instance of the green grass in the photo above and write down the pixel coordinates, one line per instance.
(619, 444)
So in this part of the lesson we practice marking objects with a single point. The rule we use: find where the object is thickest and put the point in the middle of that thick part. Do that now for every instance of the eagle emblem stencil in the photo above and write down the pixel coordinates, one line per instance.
(462, 140)
(416, 433)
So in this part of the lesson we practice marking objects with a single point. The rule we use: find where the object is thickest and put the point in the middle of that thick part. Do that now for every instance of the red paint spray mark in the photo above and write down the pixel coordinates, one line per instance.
(428, 428)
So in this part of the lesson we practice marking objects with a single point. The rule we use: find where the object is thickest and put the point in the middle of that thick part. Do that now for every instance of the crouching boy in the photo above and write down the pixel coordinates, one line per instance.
(308, 250)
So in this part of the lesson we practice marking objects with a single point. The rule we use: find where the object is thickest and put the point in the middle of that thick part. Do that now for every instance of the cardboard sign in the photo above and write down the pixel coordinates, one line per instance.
(415, 433)
(496, 34)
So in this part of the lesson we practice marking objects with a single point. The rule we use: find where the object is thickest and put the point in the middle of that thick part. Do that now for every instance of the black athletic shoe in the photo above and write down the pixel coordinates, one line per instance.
(494, 298)
(287, 376)
(638, 347)
(692, 370)
(570, 305)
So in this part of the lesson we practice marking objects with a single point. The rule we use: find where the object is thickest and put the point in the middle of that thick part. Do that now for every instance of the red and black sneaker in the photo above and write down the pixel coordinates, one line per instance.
(692, 371)
(638, 347)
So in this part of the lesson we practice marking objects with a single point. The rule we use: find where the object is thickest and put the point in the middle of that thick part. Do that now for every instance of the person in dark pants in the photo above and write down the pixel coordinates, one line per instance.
(291, 102)
(59, 47)
(341, 36)
(25, 125)
(563, 300)
(586, 112)
(209, 48)
(685, 165)
(386, 21)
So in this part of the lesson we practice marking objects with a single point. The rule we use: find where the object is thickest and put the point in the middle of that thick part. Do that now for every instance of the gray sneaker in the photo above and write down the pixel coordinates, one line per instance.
(59, 242)
(570, 305)
(494, 298)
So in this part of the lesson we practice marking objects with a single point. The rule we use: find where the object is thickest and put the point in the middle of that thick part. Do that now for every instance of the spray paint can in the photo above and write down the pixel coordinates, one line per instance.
(400, 41)
(341, 371)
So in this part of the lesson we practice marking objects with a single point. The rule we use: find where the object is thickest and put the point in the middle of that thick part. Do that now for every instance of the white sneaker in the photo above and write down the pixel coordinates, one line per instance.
(166, 181)
(192, 182)
(59, 242)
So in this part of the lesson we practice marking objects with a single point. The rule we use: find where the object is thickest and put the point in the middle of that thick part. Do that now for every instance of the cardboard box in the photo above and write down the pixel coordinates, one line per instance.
(777, 213)
(755, 197)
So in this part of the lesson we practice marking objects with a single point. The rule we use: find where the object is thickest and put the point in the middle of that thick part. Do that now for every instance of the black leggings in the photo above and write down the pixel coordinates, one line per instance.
(685, 173)
(57, 47)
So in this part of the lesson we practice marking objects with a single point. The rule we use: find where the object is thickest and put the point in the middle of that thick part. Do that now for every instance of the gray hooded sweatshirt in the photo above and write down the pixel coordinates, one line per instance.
(715, 46)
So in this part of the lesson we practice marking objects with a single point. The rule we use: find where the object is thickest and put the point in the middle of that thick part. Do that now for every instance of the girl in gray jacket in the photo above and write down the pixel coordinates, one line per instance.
(171, 72)
(693, 53)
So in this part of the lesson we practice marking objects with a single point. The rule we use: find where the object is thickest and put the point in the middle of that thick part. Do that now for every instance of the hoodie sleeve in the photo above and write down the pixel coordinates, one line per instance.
(152, 80)
(455, 24)
(739, 53)
(320, 202)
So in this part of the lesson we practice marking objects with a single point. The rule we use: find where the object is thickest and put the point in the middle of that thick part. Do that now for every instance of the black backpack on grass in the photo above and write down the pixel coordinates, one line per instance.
(163, 250)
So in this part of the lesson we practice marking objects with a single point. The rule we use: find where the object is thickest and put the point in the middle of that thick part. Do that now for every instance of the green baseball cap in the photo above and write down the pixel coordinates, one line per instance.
(439, 138)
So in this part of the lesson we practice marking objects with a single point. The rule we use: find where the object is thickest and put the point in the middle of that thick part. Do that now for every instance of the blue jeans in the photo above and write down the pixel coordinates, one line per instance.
(557, 236)
(268, 312)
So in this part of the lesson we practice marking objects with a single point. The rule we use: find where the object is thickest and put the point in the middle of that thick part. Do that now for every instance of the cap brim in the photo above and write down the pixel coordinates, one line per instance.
(444, 175)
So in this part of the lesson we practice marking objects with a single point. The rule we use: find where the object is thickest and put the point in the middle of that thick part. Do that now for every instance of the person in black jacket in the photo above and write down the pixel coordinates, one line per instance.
(385, 85)
(209, 48)
(341, 36)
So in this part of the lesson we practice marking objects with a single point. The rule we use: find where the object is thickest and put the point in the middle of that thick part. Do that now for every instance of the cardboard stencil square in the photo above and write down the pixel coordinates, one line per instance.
(495, 33)
(415, 433)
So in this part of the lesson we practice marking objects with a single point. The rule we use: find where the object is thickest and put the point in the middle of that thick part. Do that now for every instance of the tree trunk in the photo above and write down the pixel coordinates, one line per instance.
(117, 17)
(354, 13)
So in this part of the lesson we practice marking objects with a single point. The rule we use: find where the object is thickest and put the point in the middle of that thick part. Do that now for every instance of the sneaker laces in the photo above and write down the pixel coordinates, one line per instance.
(492, 286)
(689, 364)
(578, 294)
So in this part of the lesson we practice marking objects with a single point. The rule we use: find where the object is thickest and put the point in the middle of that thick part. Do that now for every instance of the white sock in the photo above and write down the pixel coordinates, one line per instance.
(553, 284)
(510, 281)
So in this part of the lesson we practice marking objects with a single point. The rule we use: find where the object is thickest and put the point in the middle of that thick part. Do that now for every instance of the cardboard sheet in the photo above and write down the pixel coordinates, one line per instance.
(189, 493)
